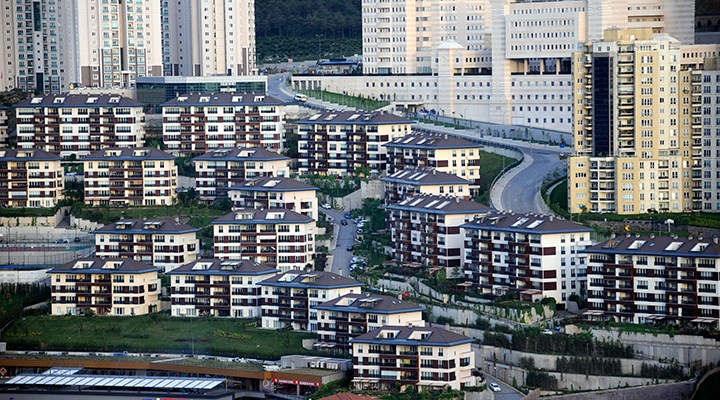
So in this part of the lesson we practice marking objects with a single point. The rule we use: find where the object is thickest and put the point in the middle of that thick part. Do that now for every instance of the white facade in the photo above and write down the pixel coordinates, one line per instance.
(711, 135)
(276, 193)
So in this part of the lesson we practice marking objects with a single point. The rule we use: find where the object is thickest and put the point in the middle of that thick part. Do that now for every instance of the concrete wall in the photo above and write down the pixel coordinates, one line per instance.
(372, 189)
(23, 276)
(84, 224)
(668, 391)
(34, 221)
(484, 395)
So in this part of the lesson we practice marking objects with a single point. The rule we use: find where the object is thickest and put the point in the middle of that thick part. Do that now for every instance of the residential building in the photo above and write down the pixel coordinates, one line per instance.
(509, 61)
(535, 255)
(444, 153)
(424, 358)
(426, 231)
(3, 127)
(144, 176)
(120, 287)
(349, 316)
(345, 142)
(710, 130)
(220, 169)
(77, 124)
(217, 288)
(284, 239)
(156, 90)
(194, 124)
(423, 181)
(661, 279)
(638, 124)
(272, 192)
(289, 298)
(30, 179)
(161, 242)
(216, 37)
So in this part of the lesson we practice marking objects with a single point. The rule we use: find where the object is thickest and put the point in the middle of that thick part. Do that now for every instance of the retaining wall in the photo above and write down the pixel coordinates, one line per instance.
(52, 220)
(84, 224)
(667, 391)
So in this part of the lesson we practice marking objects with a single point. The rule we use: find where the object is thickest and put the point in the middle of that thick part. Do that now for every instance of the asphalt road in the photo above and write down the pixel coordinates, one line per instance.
(522, 192)
(506, 392)
(275, 85)
(345, 238)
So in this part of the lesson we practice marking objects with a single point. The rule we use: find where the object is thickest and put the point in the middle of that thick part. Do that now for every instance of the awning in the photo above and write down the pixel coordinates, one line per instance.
(594, 313)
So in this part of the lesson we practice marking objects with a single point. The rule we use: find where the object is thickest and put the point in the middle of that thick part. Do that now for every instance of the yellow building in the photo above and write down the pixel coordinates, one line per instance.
(105, 286)
(136, 177)
(30, 178)
(637, 124)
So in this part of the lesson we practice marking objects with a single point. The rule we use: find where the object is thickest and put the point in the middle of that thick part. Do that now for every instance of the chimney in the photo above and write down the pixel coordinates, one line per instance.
(715, 240)
(457, 200)
(612, 235)
(446, 136)
(628, 235)
(551, 218)
(690, 237)
(700, 237)
(434, 172)
(652, 236)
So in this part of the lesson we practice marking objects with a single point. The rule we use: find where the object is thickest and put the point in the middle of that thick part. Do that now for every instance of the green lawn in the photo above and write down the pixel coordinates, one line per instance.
(27, 212)
(559, 196)
(491, 165)
(199, 216)
(158, 333)
(350, 101)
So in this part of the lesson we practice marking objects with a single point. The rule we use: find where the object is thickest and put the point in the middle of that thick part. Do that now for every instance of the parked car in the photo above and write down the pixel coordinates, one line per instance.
(348, 215)
(359, 231)
(349, 248)
(343, 222)
(76, 240)
(326, 206)
(494, 387)
(59, 241)
(547, 332)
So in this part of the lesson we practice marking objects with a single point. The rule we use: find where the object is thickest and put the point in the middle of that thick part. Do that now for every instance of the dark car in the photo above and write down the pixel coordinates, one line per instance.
(349, 248)
(76, 240)
(343, 222)
(347, 215)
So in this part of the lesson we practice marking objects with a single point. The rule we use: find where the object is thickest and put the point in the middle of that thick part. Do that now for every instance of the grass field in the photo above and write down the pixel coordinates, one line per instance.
(350, 101)
(158, 333)
(491, 165)
(559, 196)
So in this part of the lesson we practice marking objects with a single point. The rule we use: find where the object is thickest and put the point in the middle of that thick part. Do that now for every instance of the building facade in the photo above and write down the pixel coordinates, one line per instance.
(161, 242)
(217, 288)
(30, 179)
(156, 90)
(638, 125)
(77, 125)
(144, 176)
(444, 153)
(344, 142)
(288, 299)
(194, 124)
(661, 279)
(530, 254)
(411, 182)
(3, 126)
(349, 316)
(711, 130)
(426, 230)
(119, 287)
(220, 169)
(272, 192)
(282, 238)
(420, 357)
(216, 37)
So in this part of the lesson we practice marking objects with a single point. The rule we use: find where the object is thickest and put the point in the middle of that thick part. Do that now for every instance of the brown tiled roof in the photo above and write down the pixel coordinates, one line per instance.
(214, 266)
(272, 184)
(297, 278)
(222, 99)
(95, 266)
(424, 176)
(354, 118)
(432, 141)
(262, 217)
(79, 100)
(659, 245)
(439, 205)
(537, 223)
(27, 155)
(145, 226)
(436, 336)
(373, 303)
(138, 153)
(241, 153)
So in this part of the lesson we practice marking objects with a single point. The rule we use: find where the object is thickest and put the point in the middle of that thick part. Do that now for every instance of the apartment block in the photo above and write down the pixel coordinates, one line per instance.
(341, 319)
(288, 299)
(284, 239)
(343, 143)
(535, 255)
(444, 153)
(156, 90)
(424, 358)
(711, 134)
(216, 37)
(161, 242)
(119, 287)
(411, 182)
(30, 179)
(144, 176)
(194, 124)
(77, 125)
(638, 124)
(272, 192)
(218, 288)
(220, 169)
(648, 279)
(3, 127)
(426, 231)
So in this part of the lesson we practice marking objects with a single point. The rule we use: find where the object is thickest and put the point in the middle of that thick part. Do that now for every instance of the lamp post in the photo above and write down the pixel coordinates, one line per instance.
(669, 222)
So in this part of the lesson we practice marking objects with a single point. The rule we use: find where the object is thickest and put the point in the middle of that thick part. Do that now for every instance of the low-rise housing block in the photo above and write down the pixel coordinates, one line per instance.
(30, 178)
(276, 193)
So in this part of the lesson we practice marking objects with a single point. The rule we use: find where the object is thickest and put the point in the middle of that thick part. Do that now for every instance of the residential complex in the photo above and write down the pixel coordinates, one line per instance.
(426, 230)
(161, 242)
(30, 179)
(3, 126)
(216, 37)
(531, 254)
(423, 181)
(639, 124)
(344, 142)
(217, 288)
(349, 316)
(663, 279)
(136, 177)
(509, 61)
(272, 192)
(119, 287)
(289, 298)
(220, 169)
(156, 90)
(196, 123)
(420, 357)
(444, 153)
(284, 239)
(711, 128)
(76, 125)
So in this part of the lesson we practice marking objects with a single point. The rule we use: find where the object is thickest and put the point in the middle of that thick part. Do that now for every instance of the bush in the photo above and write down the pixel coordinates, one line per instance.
(527, 363)
(482, 324)
(674, 371)
(589, 366)
(445, 320)
(496, 339)
(540, 379)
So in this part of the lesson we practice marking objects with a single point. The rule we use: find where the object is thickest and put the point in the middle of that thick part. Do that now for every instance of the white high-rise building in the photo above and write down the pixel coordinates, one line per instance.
(213, 37)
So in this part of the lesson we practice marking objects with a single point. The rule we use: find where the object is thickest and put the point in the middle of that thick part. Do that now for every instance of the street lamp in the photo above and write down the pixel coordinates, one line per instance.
(669, 222)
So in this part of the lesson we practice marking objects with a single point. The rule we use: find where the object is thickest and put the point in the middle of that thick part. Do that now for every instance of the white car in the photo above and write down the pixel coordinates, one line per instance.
(326, 206)
(494, 387)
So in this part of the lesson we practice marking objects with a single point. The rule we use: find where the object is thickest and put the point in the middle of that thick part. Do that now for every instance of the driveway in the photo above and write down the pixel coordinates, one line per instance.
(507, 392)
(345, 238)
